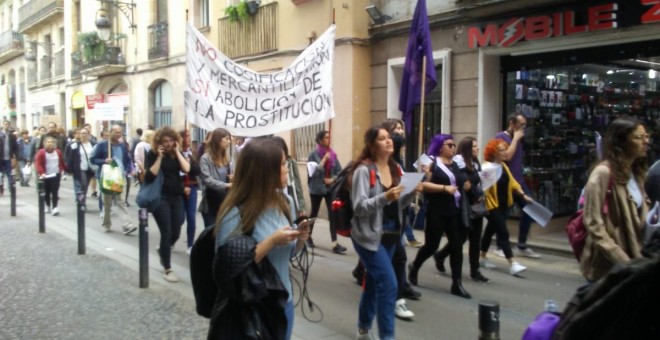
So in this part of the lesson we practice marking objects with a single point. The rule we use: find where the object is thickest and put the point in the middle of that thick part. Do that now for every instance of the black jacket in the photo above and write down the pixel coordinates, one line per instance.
(8, 137)
(249, 294)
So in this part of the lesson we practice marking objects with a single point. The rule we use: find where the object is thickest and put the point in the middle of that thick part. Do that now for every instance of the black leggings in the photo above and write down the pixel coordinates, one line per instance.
(168, 216)
(316, 205)
(52, 188)
(497, 225)
(435, 226)
(474, 236)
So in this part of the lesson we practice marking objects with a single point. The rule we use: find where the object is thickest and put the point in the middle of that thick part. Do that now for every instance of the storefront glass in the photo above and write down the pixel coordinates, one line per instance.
(567, 107)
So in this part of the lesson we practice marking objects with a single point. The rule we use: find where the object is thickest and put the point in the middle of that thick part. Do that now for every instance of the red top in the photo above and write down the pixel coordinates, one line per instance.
(40, 161)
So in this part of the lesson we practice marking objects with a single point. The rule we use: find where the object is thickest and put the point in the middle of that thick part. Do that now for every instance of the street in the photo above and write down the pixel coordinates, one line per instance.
(166, 310)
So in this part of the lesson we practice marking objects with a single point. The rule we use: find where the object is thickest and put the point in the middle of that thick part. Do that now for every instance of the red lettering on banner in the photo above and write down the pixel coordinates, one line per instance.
(537, 28)
(488, 37)
(602, 17)
(653, 13)
(569, 24)
(203, 50)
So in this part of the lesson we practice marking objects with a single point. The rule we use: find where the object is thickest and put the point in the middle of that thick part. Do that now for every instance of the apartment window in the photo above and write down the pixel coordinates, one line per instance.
(61, 37)
(161, 10)
(203, 13)
(162, 104)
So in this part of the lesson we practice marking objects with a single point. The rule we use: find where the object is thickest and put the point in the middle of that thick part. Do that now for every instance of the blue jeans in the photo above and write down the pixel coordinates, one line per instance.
(289, 312)
(525, 220)
(190, 205)
(380, 292)
(5, 168)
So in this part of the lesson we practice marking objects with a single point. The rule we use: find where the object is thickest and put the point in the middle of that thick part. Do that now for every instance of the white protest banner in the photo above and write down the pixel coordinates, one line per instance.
(222, 93)
(109, 111)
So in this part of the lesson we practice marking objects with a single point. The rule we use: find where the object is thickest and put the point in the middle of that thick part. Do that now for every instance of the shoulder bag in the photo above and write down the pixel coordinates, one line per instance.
(149, 195)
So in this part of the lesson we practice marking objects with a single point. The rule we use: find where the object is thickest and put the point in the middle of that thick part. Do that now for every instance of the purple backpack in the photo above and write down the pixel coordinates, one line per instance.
(542, 328)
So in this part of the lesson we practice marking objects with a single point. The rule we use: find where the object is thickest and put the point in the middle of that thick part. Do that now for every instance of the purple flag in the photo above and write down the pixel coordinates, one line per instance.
(419, 45)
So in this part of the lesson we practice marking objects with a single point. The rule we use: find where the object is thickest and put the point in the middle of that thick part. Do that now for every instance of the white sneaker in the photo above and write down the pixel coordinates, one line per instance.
(47, 210)
(101, 214)
(364, 336)
(169, 276)
(517, 268)
(487, 264)
(55, 211)
(527, 252)
(188, 250)
(499, 252)
(401, 311)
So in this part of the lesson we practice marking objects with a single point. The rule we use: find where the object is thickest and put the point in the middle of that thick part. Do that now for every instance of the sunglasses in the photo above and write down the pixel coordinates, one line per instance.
(451, 145)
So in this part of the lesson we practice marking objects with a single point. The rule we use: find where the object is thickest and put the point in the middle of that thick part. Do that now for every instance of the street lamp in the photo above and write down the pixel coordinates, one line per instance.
(30, 55)
(104, 25)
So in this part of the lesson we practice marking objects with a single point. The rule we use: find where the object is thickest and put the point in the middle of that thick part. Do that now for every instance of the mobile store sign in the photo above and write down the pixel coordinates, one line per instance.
(222, 93)
(594, 18)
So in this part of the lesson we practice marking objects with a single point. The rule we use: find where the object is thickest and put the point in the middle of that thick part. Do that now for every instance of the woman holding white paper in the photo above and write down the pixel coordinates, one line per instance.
(499, 199)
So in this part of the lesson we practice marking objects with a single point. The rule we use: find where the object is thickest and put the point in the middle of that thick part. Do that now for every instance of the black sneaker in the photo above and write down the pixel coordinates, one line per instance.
(478, 277)
(339, 249)
(358, 274)
(411, 294)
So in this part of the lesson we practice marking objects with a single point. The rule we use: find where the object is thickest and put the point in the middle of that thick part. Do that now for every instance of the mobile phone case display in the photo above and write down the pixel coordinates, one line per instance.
(564, 111)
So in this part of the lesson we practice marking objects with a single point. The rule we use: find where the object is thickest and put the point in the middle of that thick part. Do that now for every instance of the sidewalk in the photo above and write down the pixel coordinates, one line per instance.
(50, 292)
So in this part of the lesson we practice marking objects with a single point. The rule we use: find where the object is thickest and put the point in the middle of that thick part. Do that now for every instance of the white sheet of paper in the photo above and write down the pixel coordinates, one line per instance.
(426, 160)
(490, 173)
(538, 213)
(311, 167)
(50, 176)
(409, 181)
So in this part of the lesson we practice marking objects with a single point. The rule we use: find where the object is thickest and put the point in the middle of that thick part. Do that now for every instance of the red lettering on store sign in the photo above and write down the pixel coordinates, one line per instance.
(93, 99)
(653, 14)
(477, 38)
(511, 32)
(569, 24)
(602, 17)
(538, 28)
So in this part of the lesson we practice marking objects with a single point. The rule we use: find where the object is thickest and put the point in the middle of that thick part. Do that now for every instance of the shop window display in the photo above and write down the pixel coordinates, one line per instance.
(566, 109)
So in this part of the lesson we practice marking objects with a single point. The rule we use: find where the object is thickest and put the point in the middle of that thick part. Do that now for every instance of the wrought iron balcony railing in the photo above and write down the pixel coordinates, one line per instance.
(159, 45)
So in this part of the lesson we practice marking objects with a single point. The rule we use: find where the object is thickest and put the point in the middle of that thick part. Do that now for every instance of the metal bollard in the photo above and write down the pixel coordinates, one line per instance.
(143, 233)
(42, 206)
(12, 193)
(489, 320)
(81, 223)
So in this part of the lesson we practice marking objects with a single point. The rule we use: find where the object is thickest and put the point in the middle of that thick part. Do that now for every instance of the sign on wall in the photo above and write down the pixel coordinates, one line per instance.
(222, 93)
(109, 111)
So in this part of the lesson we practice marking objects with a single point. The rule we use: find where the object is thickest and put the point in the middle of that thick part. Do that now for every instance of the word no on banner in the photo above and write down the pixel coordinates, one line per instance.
(222, 93)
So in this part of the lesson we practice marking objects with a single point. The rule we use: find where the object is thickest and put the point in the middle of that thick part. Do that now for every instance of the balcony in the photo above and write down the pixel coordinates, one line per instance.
(11, 45)
(38, 12)
(255, 35)
(59, 63)
(158, 40)
(102, 61)
(76, 64)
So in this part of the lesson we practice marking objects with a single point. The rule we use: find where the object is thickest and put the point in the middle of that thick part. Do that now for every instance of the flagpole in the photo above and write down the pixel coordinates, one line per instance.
(421, 111)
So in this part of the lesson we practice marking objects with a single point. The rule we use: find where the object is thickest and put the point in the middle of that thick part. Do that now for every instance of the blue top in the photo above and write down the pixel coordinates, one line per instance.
(268, 222)
(515, 164)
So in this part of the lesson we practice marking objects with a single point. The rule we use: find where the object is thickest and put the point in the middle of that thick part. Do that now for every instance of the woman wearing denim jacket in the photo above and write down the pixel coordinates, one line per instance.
(375, 192)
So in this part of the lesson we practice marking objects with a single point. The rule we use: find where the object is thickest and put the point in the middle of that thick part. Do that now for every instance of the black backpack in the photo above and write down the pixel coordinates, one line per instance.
(621, 305)
(201, 272)
(341, 211)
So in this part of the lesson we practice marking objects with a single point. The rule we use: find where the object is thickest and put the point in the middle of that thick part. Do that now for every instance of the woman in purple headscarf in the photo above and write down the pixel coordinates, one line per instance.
(444, 186)
(319, 180)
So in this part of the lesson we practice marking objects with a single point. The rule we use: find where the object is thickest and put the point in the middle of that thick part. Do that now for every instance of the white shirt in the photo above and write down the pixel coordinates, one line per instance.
(85, 154)
(52, 163)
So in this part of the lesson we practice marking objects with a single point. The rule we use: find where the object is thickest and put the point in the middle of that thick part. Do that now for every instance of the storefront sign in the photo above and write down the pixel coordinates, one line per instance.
(574, 21)
(93, 99)
(119, 98)
(78, 100)
(109, 111)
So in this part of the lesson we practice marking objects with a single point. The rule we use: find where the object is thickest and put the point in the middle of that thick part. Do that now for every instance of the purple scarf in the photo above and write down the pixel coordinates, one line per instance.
(322, 150)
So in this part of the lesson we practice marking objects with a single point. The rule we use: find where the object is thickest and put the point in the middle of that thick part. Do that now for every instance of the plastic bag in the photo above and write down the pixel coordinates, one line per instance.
(26, 171)
(112, 178)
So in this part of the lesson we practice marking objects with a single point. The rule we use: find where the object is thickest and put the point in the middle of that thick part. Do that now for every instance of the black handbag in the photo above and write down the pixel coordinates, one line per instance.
(478, 210)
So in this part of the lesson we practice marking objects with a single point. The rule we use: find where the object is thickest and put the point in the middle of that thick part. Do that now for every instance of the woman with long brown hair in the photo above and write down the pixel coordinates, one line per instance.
(165, 158)
(215, 169)
(467, 161)
(375, 192)
(257, 206)
(615, 236)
